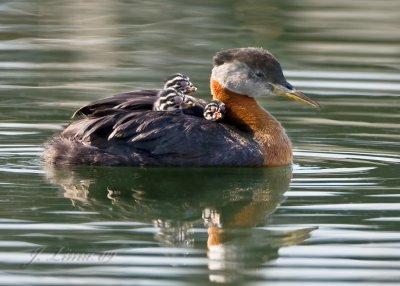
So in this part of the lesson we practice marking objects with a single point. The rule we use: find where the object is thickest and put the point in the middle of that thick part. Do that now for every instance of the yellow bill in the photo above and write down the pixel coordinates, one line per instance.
(293, 94)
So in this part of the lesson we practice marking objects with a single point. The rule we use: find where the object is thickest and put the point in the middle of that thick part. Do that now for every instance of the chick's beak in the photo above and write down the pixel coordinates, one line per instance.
(289, 91)
(191, 88)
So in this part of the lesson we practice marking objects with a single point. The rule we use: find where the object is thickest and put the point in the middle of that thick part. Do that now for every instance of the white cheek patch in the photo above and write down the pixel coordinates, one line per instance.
(235, 77)
(231, 75)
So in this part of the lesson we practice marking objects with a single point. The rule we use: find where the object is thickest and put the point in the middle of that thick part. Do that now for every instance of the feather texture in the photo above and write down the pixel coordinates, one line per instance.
(124, 130)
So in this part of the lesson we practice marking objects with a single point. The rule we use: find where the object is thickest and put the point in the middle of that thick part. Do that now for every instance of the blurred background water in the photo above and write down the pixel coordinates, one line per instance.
(332, 219)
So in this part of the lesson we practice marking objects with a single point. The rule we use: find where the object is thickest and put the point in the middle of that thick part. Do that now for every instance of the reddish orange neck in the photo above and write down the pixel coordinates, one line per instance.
(244, 111)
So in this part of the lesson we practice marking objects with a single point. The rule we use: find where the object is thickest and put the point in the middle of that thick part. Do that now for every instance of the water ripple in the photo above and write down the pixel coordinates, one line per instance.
(366, 157)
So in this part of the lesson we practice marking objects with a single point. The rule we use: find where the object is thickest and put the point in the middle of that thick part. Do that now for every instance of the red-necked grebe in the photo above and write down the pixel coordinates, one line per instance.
(125, 130)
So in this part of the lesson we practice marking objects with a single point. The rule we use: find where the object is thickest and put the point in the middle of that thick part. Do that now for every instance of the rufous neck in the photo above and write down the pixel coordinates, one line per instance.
(244, 112)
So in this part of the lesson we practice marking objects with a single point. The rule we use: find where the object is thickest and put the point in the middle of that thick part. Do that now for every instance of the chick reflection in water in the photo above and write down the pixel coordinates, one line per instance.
(230, 202)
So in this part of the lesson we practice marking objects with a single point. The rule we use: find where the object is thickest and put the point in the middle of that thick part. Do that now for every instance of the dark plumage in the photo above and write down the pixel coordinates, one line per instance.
(145, 137)
(143, 99)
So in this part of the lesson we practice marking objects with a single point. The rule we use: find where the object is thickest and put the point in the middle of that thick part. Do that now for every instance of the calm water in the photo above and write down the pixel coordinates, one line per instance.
(332, 219)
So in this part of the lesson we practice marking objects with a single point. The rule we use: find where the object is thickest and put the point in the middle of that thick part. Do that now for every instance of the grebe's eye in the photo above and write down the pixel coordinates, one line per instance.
(259, 74)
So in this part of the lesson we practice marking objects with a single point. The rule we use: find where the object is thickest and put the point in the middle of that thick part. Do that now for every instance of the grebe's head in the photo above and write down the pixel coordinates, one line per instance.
(254, 72)
(180, 82)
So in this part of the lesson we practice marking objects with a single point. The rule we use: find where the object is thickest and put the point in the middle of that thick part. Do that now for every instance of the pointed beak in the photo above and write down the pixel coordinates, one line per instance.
(191, 88)
(289, 91)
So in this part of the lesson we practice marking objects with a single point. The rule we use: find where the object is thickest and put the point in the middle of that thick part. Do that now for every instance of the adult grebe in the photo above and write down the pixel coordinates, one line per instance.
(124, 130)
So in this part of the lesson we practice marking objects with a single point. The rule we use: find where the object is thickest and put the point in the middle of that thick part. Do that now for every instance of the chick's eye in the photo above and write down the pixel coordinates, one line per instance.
(259, 74)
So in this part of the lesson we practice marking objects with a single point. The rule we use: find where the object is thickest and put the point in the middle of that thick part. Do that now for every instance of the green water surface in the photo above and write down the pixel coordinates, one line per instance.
(333, 218)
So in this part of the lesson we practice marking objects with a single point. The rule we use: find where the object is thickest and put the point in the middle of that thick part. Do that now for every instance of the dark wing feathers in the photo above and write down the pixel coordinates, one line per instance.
(137, 99)
(130, 124)
(124, 130)
(137, 103)
(100, 127)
